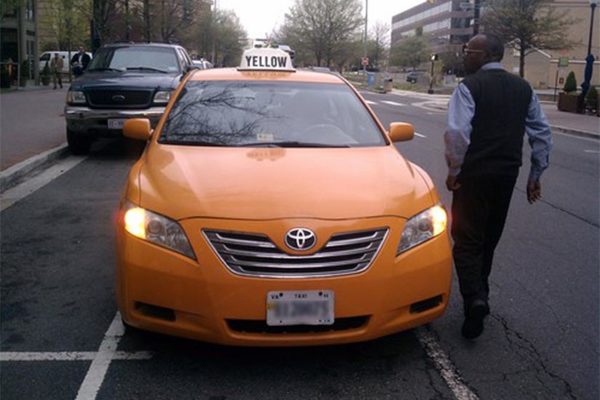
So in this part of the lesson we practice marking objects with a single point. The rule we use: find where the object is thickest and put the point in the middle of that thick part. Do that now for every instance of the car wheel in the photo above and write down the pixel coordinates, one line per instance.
(78, 144)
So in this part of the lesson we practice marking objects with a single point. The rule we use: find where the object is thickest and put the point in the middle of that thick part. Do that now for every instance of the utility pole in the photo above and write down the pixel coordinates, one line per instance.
(476, 13)
(366, 35)
(214, 36)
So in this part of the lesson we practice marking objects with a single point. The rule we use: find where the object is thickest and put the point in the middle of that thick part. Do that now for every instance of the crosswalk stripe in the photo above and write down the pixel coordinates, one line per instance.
(370, 102)
(392, 103)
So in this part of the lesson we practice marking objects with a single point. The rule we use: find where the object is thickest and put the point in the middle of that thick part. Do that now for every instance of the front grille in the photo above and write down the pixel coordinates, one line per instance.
(256, 326)
(256, 255)
(105, 98)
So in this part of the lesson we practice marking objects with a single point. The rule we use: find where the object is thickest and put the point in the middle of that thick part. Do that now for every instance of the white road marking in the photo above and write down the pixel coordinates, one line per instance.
(370, 102)
(95, 375)
(420, 135)
(71, 356)
(392, 103)
(13, 195)
(592, 151)
(443, 364)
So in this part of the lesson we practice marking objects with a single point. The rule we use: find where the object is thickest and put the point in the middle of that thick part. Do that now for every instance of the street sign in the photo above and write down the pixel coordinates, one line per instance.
(365, 61)
(563, 62)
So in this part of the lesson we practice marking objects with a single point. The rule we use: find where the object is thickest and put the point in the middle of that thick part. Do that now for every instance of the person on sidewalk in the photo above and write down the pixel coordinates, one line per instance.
(56, 67)
(80, 61)
(488, 114)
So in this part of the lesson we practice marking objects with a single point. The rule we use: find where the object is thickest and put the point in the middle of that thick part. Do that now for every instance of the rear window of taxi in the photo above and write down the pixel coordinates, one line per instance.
(247, 113)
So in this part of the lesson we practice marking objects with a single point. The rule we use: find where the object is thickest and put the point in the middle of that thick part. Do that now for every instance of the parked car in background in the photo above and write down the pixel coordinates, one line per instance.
(202, 64)
(125, 80)
(414, 76)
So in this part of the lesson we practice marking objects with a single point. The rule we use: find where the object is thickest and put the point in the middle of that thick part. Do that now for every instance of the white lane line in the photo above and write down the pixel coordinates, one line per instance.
(108, 348)
(370, 102)
(420, 135)
(13, 195)
(70, 355)
(392, 103)
(444, 365)
(592, 151)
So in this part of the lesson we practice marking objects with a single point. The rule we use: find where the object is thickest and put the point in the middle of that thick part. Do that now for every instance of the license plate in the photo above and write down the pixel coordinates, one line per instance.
(307, 307)
(116, 123)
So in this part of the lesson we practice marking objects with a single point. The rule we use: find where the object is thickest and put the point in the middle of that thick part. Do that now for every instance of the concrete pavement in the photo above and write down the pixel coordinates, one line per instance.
(32, 128)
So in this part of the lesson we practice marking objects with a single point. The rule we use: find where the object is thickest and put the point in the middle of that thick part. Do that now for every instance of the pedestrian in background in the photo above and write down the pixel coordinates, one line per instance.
(80, 61)
(488, 114)
(56, 67)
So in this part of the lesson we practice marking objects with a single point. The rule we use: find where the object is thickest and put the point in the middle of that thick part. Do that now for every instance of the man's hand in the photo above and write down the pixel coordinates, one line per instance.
(534, 191)
(451, 183)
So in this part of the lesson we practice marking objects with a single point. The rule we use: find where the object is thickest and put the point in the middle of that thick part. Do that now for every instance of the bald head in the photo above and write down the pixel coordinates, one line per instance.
(482, 49)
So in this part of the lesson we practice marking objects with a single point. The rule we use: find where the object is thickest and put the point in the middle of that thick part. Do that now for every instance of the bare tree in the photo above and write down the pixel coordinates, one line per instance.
(410, 52)
(322, 27)
(527, 25)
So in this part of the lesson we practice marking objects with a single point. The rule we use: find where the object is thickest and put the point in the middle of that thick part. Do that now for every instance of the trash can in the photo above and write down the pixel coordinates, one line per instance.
(387, 85)
(370, 79)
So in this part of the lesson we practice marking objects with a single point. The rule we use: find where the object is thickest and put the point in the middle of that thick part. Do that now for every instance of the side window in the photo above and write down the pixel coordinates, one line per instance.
(45, 57)
(184, 57)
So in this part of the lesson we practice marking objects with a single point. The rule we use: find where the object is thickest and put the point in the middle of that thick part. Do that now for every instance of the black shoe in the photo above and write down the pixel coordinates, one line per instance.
(475, 313)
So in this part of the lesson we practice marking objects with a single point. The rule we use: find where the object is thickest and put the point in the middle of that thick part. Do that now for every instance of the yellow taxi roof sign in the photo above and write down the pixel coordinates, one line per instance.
(265, 59)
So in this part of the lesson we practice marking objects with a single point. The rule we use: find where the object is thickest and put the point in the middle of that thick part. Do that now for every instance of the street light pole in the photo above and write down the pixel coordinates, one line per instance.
(589, 59)
(366, 26)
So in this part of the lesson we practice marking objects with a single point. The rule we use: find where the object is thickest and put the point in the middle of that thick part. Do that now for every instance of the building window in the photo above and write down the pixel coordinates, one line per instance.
(29, 11)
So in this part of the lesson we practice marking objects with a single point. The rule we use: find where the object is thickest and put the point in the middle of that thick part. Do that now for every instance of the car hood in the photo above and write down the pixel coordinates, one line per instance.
(90, 80)
(270, 183)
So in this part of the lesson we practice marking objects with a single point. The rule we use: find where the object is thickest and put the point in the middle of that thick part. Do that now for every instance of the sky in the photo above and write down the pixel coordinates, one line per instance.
(260, 17)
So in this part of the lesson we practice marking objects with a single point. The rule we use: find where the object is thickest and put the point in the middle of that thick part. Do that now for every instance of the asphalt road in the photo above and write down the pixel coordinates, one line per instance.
(541, 340)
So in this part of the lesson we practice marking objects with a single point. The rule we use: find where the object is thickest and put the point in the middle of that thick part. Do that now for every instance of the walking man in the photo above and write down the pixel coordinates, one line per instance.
(80, 61)
(56, 67)
(488, 114)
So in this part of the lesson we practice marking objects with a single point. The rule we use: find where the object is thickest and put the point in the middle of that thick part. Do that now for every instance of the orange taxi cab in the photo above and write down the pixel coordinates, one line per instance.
(271, 208)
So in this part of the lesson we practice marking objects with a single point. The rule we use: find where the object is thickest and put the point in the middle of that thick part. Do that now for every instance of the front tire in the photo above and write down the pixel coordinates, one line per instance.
(79, 144)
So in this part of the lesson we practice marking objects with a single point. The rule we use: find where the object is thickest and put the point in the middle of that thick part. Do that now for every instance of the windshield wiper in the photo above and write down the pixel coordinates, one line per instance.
(291, 144)
(189, 142)
(105, 69)
(147, 69)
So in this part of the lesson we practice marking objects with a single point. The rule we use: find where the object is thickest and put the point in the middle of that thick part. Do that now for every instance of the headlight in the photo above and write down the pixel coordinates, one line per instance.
(162, 96)
(75, 97)
(422, 227)
(157, 229)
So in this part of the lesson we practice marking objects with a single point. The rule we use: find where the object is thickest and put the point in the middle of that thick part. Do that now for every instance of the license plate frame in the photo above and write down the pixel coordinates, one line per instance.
(300, 307)
(116, 123)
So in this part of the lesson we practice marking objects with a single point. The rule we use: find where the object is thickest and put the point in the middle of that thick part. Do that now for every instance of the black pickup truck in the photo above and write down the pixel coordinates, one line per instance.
(125, 80)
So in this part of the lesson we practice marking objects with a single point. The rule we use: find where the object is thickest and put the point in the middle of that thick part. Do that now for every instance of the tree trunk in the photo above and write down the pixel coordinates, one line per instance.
(522, 63)
(147, 21)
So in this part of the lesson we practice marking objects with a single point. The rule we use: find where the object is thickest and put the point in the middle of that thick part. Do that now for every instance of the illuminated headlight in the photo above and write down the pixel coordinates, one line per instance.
(75, 97)
(162, 97)
(422, 227)
(157, 229)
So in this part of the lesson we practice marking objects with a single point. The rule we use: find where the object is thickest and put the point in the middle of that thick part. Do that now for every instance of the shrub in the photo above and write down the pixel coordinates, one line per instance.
(591, 98)
(570, 83)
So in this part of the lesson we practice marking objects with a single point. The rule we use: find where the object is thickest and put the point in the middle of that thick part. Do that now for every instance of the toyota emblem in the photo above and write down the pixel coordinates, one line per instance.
(300, 239)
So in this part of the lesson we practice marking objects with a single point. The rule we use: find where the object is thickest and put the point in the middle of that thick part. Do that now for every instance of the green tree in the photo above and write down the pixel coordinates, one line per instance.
(378, 44)
(527, 25)
(410, 52)
(68, 21)
(570, 83)
(323, 29)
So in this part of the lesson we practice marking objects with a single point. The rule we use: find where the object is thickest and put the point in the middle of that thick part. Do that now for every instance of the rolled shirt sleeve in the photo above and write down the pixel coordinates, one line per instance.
(457, 137)
(540, 138)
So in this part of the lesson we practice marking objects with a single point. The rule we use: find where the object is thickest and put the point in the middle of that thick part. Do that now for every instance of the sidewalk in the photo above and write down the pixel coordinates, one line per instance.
(575, 124)
(32, 127)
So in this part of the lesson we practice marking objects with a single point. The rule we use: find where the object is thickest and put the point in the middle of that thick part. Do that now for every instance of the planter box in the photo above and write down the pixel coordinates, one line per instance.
(567, 102)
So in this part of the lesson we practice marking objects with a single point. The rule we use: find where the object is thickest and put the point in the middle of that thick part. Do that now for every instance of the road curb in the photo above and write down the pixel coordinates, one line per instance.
(575, 132)
(11, 176)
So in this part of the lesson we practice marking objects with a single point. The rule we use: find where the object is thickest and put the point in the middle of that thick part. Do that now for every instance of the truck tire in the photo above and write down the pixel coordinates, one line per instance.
(78, 144)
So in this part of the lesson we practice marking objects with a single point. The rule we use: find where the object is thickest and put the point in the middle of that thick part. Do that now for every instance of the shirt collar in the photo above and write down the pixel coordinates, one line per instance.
(492, 65)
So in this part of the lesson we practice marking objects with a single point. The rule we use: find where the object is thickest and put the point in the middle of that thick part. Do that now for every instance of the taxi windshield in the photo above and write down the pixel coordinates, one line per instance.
(265, 114)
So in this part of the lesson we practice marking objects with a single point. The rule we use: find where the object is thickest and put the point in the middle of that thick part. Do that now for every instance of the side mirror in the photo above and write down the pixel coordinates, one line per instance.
(137, 128)
(401, 131)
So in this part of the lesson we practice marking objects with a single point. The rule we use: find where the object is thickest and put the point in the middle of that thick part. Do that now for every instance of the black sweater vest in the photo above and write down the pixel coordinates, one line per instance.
(501, 106)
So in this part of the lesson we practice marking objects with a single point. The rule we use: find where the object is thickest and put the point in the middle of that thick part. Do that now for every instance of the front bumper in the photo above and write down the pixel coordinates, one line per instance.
(162, 291)
(85, 120)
